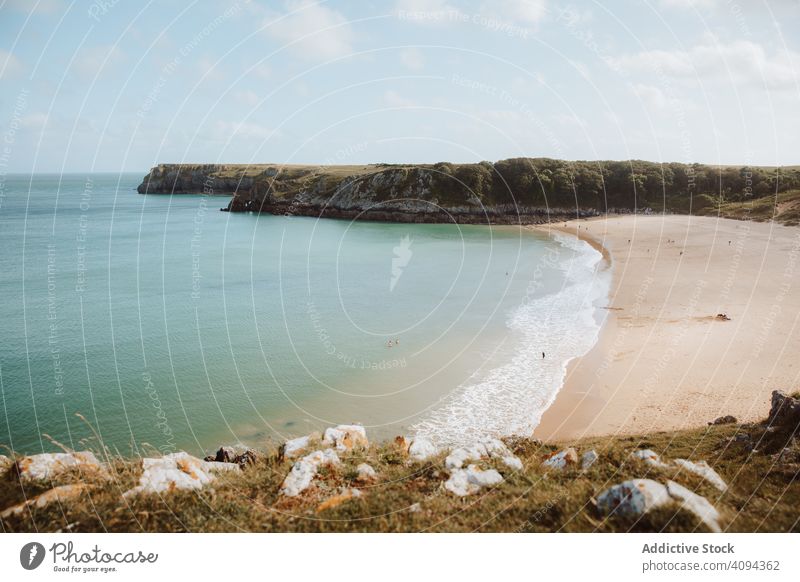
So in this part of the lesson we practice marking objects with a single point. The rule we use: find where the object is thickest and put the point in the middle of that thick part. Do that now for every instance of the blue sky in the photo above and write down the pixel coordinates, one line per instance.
(108, 86)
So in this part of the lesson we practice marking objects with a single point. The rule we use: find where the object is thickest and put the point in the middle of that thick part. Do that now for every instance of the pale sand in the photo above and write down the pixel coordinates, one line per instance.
(663, 361)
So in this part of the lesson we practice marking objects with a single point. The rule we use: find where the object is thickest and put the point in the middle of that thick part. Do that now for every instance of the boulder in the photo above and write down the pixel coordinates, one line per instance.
(632, 498)
(704, 470)
(727, 419)
(469, 481)
(696, 504)
(562, 459)
(295, 447)
(336, 500)
(304, 470)
(5, 464)
(49, 465)
(366, 473)
(177, 471)
(493, 448)
(649, 457)
(636, 497)
(237, 454)
(785, 410)
(588, 459)
(345, 437)
(57, 494)
(422, 449)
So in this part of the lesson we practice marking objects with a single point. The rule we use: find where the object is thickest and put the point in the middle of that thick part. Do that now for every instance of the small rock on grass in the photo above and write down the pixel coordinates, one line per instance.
(304, 470)
(588, 459)
(421, 449)
(177, 471)
(704, 470)
(345, 437)
(470, 480)
(561, 459)
(366, 473)
(649, 457)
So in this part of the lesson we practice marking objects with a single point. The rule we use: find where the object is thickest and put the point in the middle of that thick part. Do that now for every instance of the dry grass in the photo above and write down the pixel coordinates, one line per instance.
(764, 494)
(783, 208)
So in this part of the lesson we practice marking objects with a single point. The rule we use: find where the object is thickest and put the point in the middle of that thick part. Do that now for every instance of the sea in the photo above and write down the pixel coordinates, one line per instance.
(157, 323)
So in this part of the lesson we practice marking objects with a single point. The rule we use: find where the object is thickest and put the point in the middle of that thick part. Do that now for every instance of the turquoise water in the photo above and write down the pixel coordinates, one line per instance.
(167, 323)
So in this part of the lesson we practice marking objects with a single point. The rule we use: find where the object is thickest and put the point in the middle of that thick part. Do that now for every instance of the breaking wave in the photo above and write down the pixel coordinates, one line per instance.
(510, 399)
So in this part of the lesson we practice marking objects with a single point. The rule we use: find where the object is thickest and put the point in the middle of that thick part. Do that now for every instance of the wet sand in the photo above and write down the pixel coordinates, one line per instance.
(664, 360)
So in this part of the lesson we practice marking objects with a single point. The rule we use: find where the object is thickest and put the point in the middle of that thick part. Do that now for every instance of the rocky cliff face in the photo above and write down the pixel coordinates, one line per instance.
(385, 193)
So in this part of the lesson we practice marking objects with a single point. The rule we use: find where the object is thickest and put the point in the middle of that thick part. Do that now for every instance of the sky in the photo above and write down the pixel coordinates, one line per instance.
(111, 86)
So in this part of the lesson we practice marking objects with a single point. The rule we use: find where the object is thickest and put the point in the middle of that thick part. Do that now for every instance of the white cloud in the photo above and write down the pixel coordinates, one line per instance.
(10, 65)
(741, 62)
(412, 59)
(314, 31)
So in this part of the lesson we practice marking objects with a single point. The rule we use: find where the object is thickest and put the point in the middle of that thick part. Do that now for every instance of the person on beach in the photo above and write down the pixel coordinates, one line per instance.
(543, 355)
(389, 344)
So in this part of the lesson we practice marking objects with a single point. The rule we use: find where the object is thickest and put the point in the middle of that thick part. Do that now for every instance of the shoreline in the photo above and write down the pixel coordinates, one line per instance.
(662, 360)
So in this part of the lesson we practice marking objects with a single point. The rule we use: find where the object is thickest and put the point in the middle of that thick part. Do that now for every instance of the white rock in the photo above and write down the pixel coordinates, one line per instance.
(649, 457)
(457, 457)
(588, 459)
(294, 447)
(632, 498)
(695, 503)
(705, 471)
(422, 449)
(304, 470)
(177, 471)
(366, 472)
(49, 465)
(512, 462)
(345, 437)
(60, 494)
(470, 480)
(562, 459)
(5, 464)
(415, 508)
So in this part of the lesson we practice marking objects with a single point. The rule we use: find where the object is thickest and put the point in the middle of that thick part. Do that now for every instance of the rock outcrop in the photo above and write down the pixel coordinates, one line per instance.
(304, 471)
(177, 471)
(785, 410)
(47, 466)
(469, 481)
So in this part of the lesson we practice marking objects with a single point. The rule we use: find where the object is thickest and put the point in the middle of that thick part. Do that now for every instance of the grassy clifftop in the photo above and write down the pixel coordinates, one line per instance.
(760, 462)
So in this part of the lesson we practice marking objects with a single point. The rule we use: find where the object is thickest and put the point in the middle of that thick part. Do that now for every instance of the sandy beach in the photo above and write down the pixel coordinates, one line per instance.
(664, 360)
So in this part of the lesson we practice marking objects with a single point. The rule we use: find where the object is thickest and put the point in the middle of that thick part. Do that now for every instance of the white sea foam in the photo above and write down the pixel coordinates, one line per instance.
(510, 399)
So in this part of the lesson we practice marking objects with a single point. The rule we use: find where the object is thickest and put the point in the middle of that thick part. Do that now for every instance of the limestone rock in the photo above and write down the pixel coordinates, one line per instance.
(562, 459)
(5, 464)
(336, 500)
(415, 508)
(57, 494)
(422, 449)
(649, 457)
(295, 447)
(704, 470)
(493, 448)
(469, 481)
(345, 437)
(727, 419)
(304, 470)
(588, 459)
(177, 471)
(366, 473)
(50, 465)
(696, 504)
(632, 498)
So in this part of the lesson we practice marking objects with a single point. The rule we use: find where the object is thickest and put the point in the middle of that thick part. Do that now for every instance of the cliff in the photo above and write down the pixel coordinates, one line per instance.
(404, 193)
